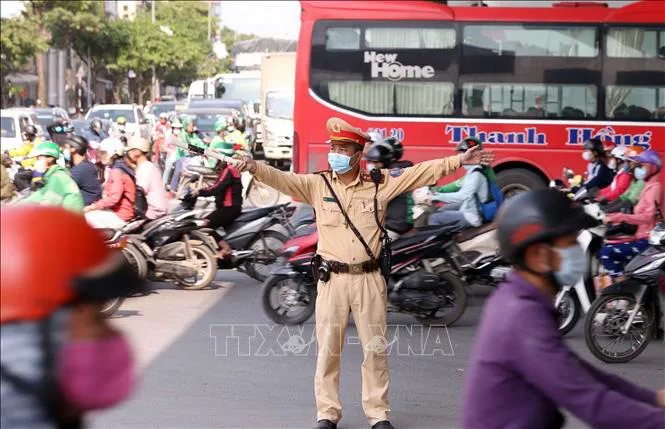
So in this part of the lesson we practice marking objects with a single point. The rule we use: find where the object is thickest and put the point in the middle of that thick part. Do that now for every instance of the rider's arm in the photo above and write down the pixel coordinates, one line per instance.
(544, 361)
(113, 190)
(299, 186)
(601, 179)
(400, 180)
(470, 187)
(220, 186)
(645, 210)
(621, 385)
(450, 187)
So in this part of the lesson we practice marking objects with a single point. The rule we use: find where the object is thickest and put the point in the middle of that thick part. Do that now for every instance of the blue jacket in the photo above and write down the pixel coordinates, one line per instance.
(85, 176)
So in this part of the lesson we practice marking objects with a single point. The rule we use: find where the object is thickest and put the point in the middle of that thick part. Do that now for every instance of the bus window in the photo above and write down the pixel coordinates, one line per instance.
(530, 41)
(634, 42)
(409, 38)
(498, 100)
(387, 98)
(343, 38)
(635, 102)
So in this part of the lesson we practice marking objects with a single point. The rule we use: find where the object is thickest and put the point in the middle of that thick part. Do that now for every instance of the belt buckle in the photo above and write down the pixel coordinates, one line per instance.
(356, 269)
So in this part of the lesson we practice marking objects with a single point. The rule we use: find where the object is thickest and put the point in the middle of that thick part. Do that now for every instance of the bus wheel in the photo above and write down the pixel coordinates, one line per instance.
(518, 180)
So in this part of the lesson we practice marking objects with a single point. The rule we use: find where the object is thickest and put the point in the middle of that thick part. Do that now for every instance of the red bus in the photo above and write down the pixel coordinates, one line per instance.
(532, 83)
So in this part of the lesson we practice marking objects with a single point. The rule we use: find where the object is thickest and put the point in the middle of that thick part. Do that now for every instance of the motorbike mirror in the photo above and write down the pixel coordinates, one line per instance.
(568, 172)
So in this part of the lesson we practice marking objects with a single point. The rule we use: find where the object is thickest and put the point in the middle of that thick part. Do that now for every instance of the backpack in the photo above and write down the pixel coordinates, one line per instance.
(489, 209)
(140, 199)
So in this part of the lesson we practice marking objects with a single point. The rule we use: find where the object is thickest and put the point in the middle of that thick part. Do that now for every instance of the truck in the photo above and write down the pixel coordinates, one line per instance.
(278, 72)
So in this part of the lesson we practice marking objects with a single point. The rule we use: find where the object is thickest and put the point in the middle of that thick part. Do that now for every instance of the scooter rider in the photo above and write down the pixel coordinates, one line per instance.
(59, 188)
(387, 153)
(599, 175)
(345, 200)
(83, 172)
(60, 358)
(521, 372)
(622, 175)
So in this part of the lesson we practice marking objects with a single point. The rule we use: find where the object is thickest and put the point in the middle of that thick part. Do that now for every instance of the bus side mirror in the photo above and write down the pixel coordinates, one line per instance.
(256, 108)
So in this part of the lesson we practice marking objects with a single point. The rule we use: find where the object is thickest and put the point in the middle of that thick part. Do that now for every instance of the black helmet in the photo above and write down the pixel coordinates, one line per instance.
(380, 152)
(595, 145)
(31, 130)
(79, 143)
(96, 125)
(468, 143)
(538, 216)
(386, 151)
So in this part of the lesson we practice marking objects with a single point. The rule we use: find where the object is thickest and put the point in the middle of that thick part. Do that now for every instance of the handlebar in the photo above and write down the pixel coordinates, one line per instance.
(211, 153)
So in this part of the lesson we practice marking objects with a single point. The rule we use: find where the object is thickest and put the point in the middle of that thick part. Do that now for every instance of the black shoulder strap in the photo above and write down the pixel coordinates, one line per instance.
(348, 221)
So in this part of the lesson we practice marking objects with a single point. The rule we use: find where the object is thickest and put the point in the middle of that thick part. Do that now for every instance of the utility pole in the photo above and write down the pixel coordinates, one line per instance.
(155, 84)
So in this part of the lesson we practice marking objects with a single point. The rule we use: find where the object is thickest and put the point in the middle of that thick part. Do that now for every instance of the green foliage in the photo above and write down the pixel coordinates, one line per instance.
(18, 44)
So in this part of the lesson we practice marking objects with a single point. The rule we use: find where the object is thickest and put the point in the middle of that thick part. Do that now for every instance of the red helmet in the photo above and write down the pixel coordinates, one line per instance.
(44, 249)
(608, 145)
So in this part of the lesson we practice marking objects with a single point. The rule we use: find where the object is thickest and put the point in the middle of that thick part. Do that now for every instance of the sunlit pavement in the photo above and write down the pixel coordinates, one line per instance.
(194, 377)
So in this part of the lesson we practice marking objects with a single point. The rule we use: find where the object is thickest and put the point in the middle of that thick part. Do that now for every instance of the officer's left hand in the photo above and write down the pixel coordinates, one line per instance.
(475, 156)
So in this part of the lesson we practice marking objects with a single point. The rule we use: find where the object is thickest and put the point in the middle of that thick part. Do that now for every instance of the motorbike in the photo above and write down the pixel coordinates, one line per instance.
(573, 301)
(630, 310)
(434, 294)
(116, 239)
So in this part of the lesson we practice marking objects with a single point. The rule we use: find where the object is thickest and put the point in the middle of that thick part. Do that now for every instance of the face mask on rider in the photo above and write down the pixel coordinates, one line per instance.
(640, 173)
(40, 166)
(67, 155)
(571, 266)
(612, 164)
(587, 156)
(95, 374)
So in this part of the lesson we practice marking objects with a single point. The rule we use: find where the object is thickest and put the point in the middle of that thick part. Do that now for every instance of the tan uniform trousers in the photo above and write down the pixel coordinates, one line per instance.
(364, 295)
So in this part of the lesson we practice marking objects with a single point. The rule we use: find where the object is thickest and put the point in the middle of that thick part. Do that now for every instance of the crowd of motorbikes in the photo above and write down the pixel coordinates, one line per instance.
(432, 267)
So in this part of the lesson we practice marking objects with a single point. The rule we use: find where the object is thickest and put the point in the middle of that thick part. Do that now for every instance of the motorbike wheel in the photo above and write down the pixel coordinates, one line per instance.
(569, 312)
(605, 319)
(261, 195)
(111, 306)
(290, 295)
(136, 259)
(207, 270)
(259, 267)
(456, 295)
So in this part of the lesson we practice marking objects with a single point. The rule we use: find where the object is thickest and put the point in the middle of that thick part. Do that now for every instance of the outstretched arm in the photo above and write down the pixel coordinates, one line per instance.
(298, 186)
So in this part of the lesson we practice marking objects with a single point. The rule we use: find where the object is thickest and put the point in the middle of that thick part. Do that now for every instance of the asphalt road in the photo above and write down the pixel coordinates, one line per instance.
(211, 359)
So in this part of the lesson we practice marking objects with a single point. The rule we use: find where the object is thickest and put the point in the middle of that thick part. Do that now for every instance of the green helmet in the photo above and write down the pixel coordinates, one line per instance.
(121, 120)
(219, 125)
(48, 148)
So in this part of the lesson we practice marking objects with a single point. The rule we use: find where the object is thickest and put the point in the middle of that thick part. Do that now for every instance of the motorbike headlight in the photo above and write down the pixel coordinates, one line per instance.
(290, 251)
(656, 237)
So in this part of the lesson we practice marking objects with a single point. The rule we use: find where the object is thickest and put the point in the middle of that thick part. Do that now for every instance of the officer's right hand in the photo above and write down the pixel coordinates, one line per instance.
(247, 164)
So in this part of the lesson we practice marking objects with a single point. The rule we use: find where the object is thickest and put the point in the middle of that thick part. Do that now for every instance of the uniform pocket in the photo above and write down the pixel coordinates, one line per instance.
(364, 213)
(331, 215)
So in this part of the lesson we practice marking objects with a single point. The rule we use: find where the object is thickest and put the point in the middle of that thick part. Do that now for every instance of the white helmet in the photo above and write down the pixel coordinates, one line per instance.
(375, 136)
(619, 152)
(112, 146)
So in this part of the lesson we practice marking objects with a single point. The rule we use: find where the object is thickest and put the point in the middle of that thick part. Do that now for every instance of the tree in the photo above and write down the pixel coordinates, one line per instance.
(18, 47)
(72, 25)
(35, 12)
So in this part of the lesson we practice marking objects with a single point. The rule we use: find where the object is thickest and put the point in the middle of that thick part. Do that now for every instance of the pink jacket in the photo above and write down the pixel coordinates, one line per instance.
(119, 194)
(644, 213)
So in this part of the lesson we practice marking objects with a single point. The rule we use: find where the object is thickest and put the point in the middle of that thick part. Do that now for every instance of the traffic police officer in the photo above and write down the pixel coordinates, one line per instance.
(354, 282)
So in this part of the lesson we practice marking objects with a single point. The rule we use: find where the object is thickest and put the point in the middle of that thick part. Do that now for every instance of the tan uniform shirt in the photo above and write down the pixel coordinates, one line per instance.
(337, 241)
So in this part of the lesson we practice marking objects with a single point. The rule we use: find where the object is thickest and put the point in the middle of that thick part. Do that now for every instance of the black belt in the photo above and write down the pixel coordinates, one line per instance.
(342, 268)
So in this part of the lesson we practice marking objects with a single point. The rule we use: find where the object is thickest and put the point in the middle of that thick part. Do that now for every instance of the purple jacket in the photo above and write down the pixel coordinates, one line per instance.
(521, 372)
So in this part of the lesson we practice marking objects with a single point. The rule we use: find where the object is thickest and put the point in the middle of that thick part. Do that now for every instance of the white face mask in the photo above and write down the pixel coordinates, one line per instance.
(41, 166)
(612, 164)
(586, 155)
